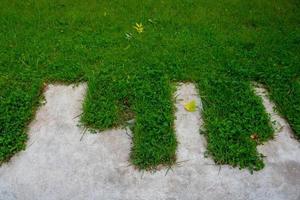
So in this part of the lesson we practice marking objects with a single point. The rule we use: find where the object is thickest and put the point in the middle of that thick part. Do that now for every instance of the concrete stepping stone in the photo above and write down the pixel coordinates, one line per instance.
(60, 163)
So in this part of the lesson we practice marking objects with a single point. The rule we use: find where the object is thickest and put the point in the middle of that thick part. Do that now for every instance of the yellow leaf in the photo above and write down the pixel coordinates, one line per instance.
(139, 27)
(190, 106)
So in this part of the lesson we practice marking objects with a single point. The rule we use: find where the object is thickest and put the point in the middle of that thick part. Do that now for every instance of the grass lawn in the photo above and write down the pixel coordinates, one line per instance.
(221, 46)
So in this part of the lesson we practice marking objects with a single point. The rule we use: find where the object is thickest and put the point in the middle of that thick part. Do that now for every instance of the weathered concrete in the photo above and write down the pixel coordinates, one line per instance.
(57, 164)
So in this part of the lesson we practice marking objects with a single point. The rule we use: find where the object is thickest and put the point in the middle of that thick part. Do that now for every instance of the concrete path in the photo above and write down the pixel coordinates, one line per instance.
(59, 163)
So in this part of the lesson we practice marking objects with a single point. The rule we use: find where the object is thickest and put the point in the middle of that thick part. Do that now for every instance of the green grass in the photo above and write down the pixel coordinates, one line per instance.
(220, 46)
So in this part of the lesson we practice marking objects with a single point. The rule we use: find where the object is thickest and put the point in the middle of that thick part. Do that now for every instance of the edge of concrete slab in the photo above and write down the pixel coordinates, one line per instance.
(58, 165)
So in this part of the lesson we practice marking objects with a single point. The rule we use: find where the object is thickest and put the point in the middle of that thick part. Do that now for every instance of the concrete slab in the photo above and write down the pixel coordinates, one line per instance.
(57, 164)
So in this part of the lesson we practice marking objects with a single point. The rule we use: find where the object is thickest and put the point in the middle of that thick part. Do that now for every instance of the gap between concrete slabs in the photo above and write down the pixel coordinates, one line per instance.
(58, 165)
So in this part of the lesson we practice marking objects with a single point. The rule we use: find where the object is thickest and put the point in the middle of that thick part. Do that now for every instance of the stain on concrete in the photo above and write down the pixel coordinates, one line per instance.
(59, 164)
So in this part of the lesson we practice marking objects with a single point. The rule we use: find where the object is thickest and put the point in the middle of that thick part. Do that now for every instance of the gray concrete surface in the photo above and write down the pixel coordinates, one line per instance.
(57, 164)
